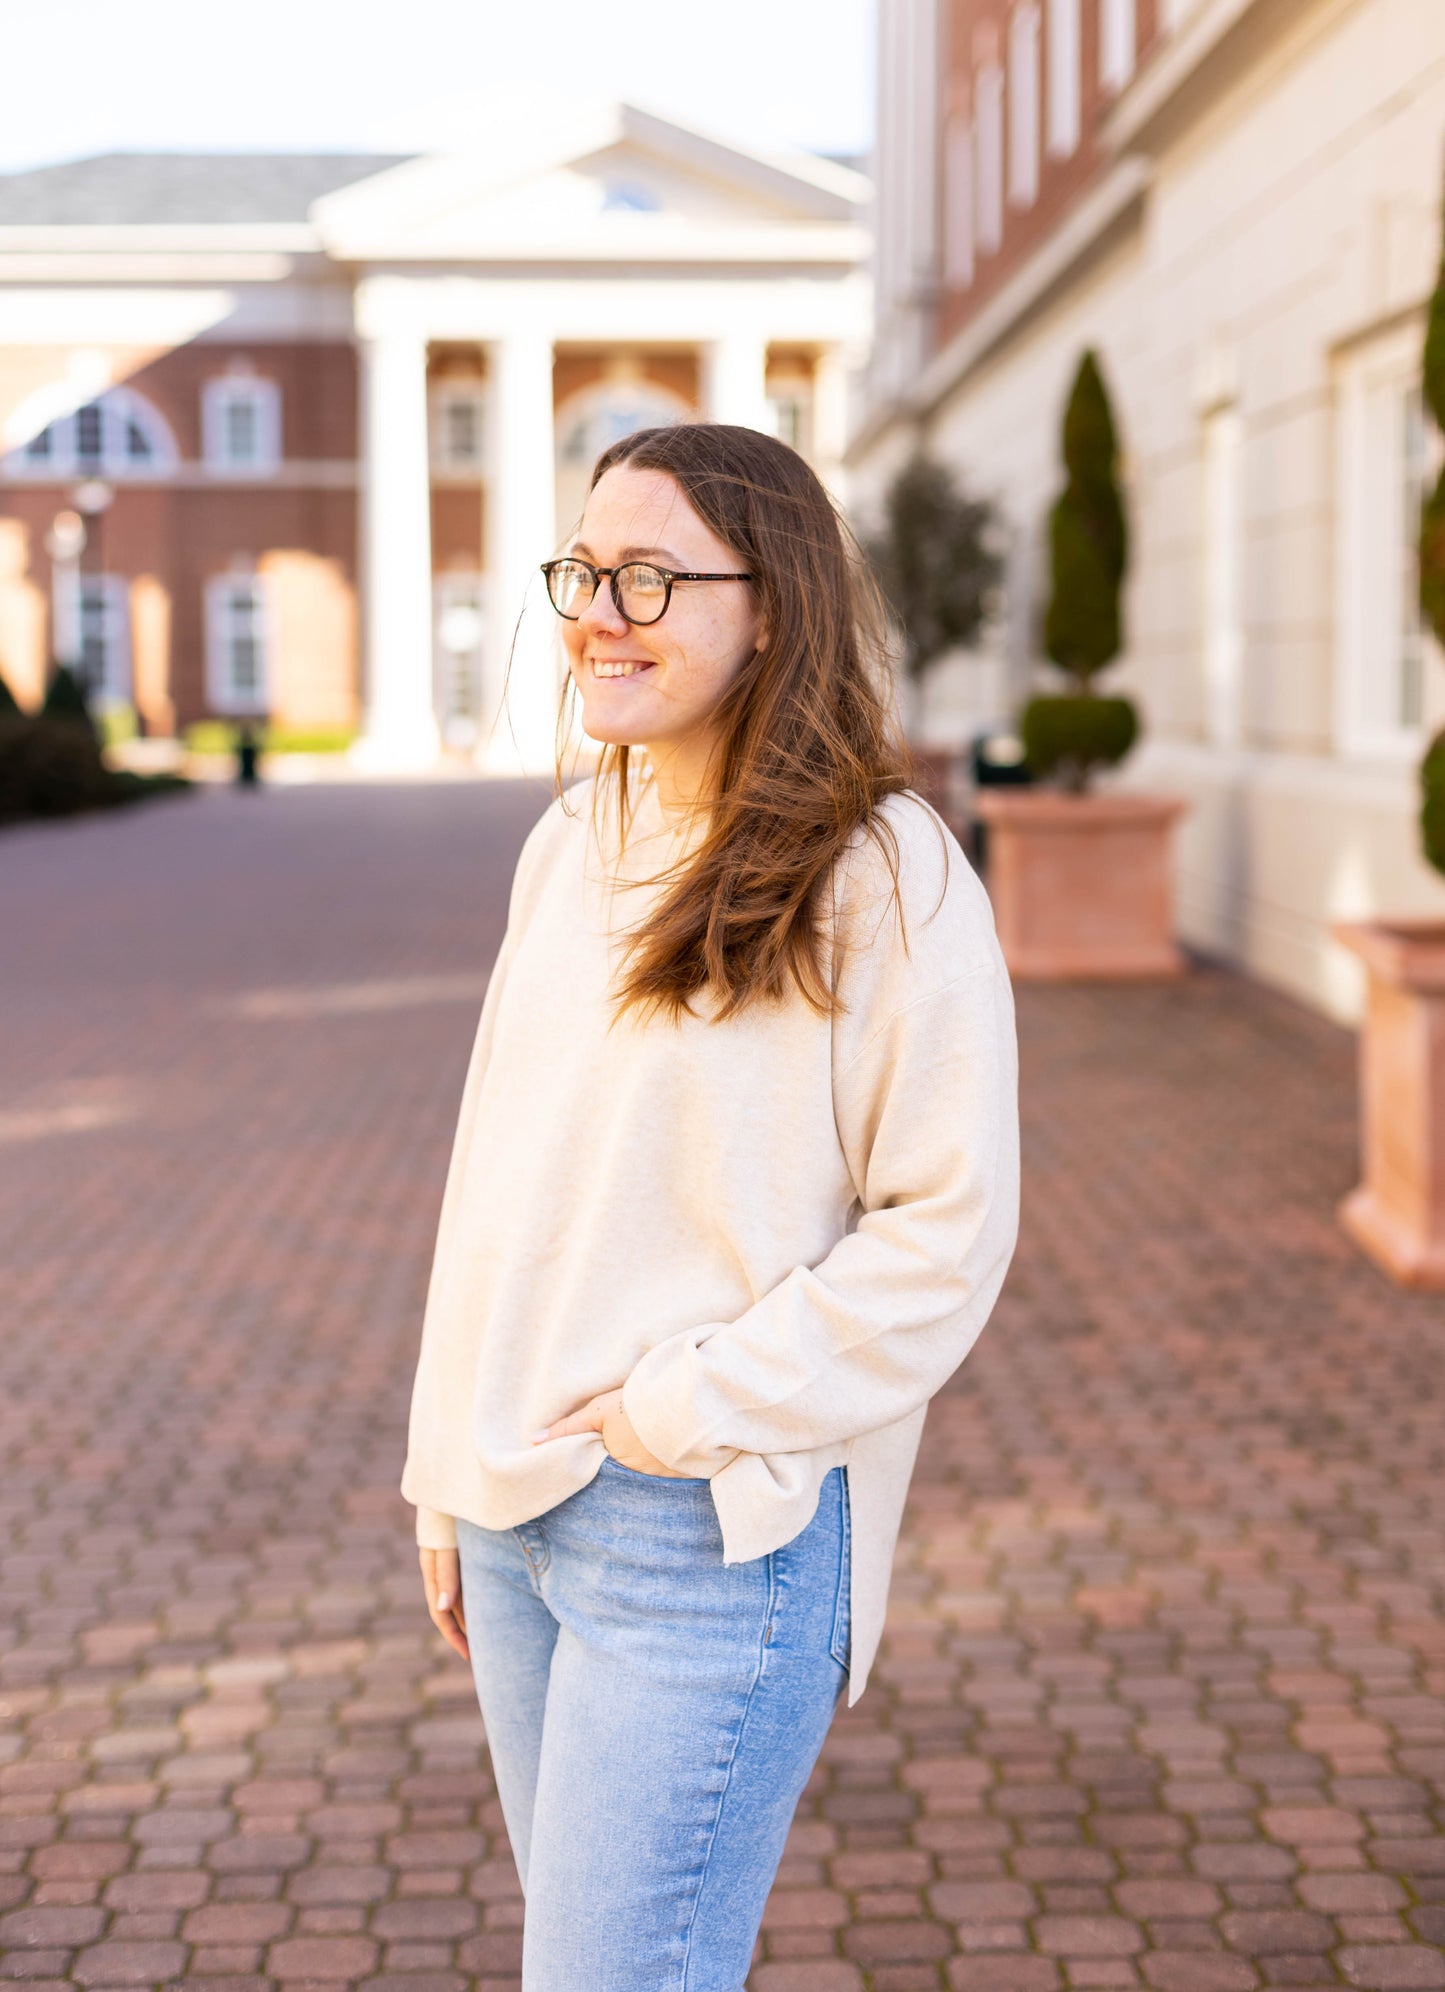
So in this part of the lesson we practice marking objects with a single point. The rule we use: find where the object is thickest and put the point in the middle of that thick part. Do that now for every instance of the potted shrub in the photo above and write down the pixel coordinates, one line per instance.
(1397, 1215)
(938, 564)
(1081, 881)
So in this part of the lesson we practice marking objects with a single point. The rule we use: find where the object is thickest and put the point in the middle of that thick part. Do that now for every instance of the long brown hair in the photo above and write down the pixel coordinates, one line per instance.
(808, 740)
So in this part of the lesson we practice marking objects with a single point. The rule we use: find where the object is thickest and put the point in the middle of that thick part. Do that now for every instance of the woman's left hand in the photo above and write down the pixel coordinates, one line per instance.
(605, 1414)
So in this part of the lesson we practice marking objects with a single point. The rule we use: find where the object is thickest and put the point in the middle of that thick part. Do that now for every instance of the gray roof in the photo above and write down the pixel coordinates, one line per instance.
(170, 188)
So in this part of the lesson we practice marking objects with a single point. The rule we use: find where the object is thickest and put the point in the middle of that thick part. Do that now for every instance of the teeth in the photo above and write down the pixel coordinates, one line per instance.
(601, 669)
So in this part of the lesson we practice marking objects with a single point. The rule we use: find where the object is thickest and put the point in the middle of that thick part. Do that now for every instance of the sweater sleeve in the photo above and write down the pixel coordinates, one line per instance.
(926, 1112)
(434, 1530)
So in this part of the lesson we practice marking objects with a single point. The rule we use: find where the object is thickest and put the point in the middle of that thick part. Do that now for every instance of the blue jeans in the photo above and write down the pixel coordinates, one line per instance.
(653, 1716)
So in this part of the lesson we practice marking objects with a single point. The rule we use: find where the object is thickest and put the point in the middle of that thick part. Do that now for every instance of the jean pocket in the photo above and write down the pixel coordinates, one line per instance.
(652, 1479)
(841, 1645)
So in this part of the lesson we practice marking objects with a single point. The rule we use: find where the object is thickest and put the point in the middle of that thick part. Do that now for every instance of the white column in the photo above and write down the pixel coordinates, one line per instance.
(830, 418)
(400, 726)
(521, 511)
(734, 380)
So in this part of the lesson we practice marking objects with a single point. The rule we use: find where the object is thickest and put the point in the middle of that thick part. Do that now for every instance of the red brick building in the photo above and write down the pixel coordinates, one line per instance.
(335, 411)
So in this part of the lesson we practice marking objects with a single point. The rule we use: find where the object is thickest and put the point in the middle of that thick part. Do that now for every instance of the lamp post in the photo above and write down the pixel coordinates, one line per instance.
(65, 543)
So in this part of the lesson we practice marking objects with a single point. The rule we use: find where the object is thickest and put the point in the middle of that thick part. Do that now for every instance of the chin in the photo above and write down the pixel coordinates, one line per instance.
(610, 733)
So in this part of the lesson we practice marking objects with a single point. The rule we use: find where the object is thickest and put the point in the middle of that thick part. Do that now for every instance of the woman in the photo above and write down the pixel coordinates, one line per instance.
(734, 1190)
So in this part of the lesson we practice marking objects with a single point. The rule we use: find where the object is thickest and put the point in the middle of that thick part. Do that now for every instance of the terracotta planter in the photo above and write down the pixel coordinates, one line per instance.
(1082, 884)
(1397, 1215)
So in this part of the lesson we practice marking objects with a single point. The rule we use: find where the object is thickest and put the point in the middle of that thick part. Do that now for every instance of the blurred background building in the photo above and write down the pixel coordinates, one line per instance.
(323, 415)
(1237, 203)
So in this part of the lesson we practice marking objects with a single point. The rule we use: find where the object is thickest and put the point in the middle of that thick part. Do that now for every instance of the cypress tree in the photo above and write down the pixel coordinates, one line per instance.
(1088, 537)
(1432, 577)
(1068, 736)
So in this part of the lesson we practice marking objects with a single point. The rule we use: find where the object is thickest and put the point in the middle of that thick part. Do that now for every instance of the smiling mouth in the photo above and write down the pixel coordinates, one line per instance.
(619, 667)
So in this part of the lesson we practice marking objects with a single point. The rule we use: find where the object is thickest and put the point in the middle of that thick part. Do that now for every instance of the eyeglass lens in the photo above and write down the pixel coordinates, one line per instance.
(639, 591)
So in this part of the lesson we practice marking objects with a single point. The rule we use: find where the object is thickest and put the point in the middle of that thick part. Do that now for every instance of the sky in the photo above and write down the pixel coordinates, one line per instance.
(89, 76)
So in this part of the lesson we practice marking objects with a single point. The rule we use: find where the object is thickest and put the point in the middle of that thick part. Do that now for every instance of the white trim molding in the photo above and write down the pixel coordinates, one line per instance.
(1384, 457)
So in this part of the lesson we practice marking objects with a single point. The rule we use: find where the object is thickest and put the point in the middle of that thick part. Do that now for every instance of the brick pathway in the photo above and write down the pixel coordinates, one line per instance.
(1163, 1696)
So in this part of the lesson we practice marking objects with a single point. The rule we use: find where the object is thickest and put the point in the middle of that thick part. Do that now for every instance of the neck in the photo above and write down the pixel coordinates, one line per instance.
(681, 770)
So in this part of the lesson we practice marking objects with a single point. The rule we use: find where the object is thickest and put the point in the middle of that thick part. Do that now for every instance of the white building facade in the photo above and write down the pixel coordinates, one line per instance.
(347, 426)
(1237, 204)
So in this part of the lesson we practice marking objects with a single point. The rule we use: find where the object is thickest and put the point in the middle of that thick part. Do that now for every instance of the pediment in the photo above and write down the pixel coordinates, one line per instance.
(608, 184)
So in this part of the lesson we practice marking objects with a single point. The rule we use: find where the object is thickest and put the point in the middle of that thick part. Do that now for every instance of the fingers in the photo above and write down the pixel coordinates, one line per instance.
(588, 1419)
(442, 1581)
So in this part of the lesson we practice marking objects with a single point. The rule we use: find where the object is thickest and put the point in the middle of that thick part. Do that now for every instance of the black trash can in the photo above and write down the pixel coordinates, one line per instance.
(248, 757)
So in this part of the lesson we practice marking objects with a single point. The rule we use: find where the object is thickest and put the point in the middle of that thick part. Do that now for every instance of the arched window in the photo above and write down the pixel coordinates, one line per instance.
(594, 418)
(117, 434)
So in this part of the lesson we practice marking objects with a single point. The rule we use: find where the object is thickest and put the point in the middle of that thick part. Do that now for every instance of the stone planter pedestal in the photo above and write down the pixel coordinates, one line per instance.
(1397, 1215)
(1082, 884)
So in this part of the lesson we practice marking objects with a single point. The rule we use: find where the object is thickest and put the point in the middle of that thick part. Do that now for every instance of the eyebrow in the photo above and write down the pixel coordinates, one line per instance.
(584, 552)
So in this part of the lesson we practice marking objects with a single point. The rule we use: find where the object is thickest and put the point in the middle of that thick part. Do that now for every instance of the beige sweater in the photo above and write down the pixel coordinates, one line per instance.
(781, 1233)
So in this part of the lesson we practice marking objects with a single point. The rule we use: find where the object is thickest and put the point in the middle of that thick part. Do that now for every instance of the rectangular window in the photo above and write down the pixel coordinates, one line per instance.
(1063, 59)
(238, 663)
(790, 405)
(958, 203)
(1023, 105)
(464, 430)
(90, 434)
(1388, 455)
(241, 425)
(1223, 549)
(242, 431)
(98, 638)
(989, 130)
(459, 427)
(1415, 484)
(459, 635)
(1117, 30)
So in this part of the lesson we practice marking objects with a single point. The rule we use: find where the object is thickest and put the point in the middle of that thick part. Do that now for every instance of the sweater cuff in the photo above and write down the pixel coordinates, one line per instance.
(656, 1400)
(434, 1530)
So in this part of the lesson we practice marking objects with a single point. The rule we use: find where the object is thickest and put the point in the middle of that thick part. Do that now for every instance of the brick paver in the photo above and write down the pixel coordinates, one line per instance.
(1161, 1700)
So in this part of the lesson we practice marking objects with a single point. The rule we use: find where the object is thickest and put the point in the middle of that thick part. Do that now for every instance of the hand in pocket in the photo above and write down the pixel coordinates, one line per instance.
(604, 1414)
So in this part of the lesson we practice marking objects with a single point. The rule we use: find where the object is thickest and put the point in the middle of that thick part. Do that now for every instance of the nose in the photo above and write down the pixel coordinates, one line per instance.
(602, 613)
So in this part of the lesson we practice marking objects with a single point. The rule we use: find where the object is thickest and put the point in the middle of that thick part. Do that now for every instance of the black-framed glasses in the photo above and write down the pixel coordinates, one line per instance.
(640, 590)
